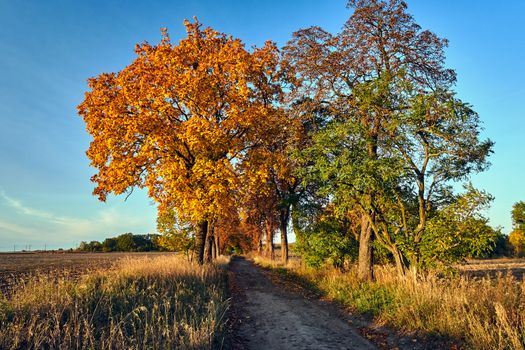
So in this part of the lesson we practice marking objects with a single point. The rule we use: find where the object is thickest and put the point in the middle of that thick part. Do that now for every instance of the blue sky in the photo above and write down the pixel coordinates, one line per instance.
(49, 48)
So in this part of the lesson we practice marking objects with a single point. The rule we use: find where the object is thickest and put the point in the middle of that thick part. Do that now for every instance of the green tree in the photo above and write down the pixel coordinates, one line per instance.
(518, 215)
(517, 236)
(175, 236)
(126, 243)
(502, 246)
(93, 246)
(109, 245)
(459, 230)
(82, 246)
(327, 240)
(396, 135)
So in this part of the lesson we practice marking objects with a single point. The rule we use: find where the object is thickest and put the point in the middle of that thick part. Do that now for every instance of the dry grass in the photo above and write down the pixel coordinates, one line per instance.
(158, 303)
(483, 313)
(15, 268)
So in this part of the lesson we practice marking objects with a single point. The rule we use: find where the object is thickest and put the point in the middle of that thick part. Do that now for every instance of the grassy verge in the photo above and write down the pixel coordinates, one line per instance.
(159, 303)
(482, 313)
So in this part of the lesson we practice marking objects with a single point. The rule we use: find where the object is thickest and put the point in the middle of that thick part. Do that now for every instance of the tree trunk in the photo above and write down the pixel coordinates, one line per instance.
(209, 247)
(400, 263)
(213, 248)
(211, 243)
(285, 214)
(269, 242)
(200, 240)
(365, 270)
(259, 246)
(217, 250)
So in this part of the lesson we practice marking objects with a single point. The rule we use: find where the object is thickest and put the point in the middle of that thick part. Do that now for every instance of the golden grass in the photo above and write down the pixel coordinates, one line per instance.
(158, 303)
(487, 313)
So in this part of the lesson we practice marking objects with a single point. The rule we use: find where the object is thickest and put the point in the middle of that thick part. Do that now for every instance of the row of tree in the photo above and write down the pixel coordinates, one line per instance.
(354, 139)
(126, 242)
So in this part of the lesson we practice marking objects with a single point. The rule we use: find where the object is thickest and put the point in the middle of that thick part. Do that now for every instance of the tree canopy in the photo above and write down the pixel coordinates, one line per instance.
(395, 134)
(126, 242)
(357, 137)
(179, 120)
(518, 215)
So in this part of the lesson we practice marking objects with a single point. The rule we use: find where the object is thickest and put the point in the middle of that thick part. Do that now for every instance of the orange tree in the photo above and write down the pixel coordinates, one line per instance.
(179, 121)
(271, 185)
(260, 209)
(517, 242)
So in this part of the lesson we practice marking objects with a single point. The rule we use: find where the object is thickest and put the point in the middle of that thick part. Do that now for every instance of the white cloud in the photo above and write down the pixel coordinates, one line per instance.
(43, 223)
(22, 209)
(16, 229)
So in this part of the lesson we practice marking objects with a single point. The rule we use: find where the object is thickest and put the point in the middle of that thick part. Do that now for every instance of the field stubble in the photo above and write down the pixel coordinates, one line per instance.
(140, 302)
(18, 268)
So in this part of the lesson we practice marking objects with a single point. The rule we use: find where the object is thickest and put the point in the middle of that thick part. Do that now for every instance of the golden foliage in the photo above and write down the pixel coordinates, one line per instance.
(180, 118)
(517, 241)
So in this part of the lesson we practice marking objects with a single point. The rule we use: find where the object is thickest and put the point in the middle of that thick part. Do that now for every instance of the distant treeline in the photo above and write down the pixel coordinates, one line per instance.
(127, 242)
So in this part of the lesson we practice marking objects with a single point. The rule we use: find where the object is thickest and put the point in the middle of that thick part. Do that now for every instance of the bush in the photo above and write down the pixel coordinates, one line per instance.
(327, 242)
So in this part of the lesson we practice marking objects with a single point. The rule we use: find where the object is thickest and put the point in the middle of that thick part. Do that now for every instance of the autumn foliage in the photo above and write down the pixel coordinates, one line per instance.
(356, 135)
(180, 119)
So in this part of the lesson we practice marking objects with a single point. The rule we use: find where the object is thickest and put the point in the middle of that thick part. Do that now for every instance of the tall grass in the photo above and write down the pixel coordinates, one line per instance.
(487, 313)
(159, 303)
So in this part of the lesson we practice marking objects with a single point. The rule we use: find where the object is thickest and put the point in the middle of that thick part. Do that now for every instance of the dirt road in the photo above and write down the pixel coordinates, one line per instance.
(270, 317)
